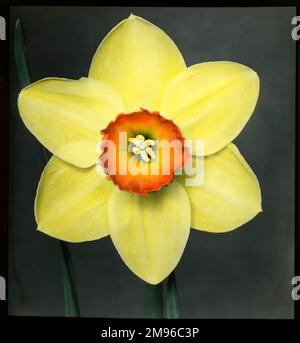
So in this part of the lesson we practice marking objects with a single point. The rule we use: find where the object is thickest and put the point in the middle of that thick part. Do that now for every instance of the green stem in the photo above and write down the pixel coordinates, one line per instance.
(23, 69)
(171, 303)
(154, 300)
(71, 299)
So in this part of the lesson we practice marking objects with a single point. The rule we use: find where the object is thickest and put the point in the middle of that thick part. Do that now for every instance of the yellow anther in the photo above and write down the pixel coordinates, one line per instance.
(140, 137)
(136, 150)
(149, 142)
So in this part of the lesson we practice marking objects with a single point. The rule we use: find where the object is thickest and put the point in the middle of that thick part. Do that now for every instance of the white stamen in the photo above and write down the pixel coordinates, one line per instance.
(150, 152)
(142, 147)
(144, 156)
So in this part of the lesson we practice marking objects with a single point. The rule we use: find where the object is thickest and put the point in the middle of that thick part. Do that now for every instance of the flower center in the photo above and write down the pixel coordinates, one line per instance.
(141, 151)
(142, 147)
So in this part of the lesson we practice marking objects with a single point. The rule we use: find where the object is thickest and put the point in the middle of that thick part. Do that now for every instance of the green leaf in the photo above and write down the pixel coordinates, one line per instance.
(21, 55)
(171, 305)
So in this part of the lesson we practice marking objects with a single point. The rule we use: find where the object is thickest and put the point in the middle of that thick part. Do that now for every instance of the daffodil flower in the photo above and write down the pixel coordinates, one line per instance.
(138, 83)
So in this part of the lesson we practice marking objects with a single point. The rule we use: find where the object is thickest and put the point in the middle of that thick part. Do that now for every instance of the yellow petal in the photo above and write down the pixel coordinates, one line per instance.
(229, 196)
(71, 203)
(212, 102)
(66, 116)
(138, 59)
(150, 232)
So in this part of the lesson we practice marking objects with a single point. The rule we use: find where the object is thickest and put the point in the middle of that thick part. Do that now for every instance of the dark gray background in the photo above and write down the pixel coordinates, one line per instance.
(242, 274)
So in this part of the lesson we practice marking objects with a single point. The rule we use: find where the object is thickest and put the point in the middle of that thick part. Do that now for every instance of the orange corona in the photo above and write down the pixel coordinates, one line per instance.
(154, 146)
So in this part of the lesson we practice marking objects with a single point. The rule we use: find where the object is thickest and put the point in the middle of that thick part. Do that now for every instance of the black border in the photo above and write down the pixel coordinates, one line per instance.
(4, 179)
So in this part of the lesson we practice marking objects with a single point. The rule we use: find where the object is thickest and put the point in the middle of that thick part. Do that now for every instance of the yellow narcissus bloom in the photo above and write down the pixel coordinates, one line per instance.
(139, 84)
